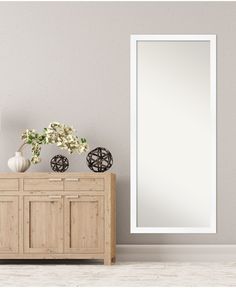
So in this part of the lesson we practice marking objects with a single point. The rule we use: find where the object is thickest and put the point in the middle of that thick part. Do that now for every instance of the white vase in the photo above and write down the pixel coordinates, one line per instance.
(18, 163)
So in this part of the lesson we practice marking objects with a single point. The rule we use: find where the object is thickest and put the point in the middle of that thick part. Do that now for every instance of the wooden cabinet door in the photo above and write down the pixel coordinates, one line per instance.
(43, 224)
(84, 224)
(9, 224)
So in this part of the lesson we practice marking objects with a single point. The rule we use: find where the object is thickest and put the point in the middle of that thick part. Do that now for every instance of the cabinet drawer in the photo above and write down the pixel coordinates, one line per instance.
(85, 184)
(9, 184)
(50, 184)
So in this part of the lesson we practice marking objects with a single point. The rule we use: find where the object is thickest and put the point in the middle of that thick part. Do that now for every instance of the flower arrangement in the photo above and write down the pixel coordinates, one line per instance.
(56, 133)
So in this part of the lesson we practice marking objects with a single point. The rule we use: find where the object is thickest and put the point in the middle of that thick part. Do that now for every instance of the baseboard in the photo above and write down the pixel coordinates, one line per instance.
(183, 253)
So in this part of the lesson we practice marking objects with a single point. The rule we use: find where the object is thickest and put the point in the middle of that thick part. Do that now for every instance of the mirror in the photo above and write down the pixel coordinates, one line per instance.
(173, 134)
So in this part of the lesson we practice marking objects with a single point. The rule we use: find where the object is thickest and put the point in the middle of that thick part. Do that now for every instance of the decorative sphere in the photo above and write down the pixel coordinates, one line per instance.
(59, 163)
(99, 159)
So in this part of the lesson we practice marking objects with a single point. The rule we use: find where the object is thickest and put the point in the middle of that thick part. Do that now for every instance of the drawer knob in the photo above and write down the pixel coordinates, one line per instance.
(72, 196)
(55, 179)
(72, 179)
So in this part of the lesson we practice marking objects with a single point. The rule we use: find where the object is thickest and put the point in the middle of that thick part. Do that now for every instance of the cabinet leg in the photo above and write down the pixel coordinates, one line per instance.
(107, 261)
(113, 259)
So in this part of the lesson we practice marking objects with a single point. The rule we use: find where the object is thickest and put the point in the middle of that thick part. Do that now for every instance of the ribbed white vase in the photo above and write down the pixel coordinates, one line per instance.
(18, 163)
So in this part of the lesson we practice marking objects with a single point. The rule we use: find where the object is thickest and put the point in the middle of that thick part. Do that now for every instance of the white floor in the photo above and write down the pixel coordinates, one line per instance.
(79, 273)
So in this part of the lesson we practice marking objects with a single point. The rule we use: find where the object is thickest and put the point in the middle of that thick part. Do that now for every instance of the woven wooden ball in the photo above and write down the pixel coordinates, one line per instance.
(59, 163)
(99, 159)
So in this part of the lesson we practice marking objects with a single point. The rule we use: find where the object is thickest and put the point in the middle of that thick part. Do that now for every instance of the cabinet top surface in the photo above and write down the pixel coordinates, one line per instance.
(54, 174)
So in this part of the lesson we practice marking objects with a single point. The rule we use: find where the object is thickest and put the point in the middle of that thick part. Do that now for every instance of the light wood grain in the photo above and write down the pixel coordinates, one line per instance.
(43, 224)
(9, 184)
(113, 218)
(97, 256)
(109, 221)
(84, 184)
(58, 216)
(9, 222)
(43, 184)
(46, 175)
(84, 228)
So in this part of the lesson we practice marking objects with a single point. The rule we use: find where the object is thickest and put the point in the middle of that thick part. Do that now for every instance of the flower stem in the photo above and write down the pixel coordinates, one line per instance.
(21, 147)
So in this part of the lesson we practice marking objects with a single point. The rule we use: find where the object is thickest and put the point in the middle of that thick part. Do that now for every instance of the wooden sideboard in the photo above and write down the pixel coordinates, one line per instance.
(57, 216)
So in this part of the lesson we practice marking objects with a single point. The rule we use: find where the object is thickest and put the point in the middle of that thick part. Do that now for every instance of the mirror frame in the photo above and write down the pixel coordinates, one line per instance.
(133, 132)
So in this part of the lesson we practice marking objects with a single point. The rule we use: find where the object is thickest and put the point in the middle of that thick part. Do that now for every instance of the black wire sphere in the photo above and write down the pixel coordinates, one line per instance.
(99, 159)
(59, 163)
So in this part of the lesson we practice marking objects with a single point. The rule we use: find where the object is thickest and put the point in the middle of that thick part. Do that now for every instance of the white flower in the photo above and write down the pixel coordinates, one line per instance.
(60, 134)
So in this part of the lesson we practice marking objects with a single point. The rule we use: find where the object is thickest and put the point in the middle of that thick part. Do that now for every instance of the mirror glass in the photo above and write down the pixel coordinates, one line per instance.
(173, 139)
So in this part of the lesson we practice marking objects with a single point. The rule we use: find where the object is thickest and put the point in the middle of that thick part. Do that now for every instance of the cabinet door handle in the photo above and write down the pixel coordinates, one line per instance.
(55, 179)
(72, 197)
(72, 179)
(55, 196)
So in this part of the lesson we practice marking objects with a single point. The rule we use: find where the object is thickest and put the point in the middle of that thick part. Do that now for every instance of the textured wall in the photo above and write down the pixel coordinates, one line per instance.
(70, 62)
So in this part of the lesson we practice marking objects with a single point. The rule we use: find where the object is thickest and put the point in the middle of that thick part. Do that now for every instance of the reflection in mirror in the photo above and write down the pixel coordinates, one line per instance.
(173, 140)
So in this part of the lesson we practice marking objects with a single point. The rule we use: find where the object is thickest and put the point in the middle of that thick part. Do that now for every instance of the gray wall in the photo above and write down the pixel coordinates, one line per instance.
(70, 62)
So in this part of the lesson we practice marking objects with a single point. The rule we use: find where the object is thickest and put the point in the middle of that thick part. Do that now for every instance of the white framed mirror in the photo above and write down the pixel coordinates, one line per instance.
(173, 133)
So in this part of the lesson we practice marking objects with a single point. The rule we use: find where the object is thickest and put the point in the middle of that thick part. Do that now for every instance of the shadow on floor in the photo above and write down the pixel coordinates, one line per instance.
(50, 262)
